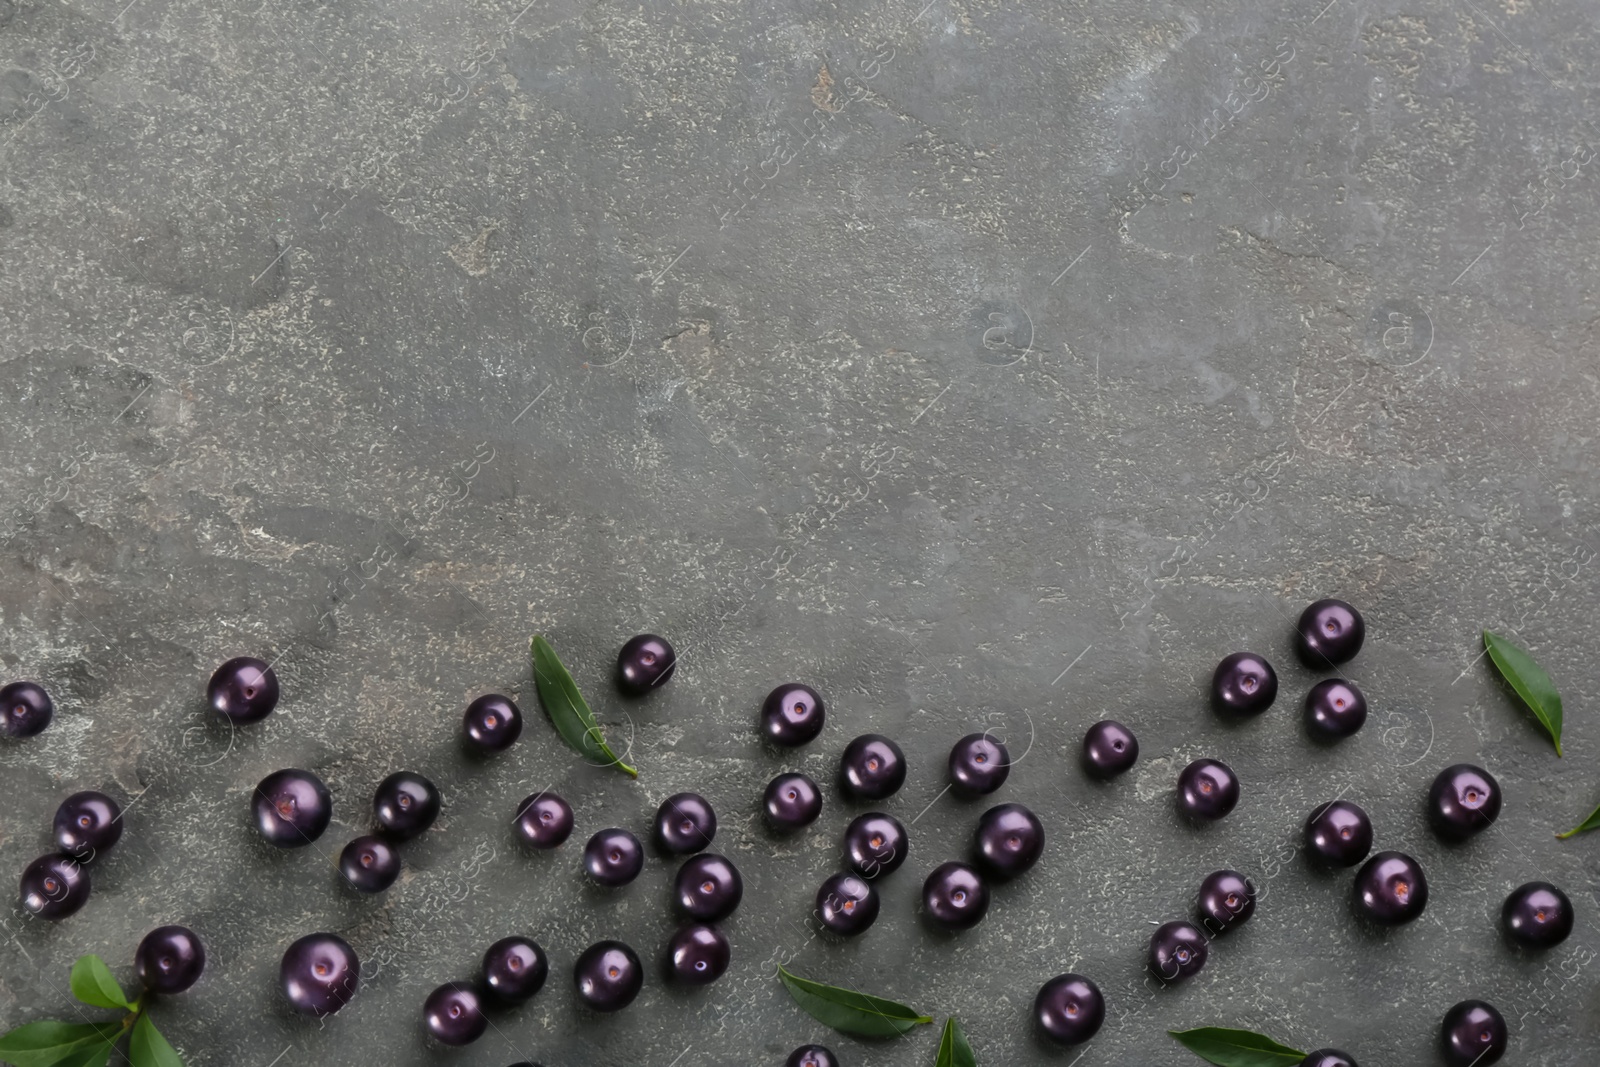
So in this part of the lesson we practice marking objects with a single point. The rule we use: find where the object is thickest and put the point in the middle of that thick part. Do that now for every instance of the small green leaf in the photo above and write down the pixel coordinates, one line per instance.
(1530, 681)
(953, 1048)
(850, 1012)
(147, 1048)
(1591, 823)
(89, 1054)
(45, 1044)
(567, 710)
(1237, 1048)
(92, 983)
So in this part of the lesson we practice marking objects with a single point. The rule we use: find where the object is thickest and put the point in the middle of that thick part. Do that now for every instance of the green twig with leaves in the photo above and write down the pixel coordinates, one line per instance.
(62, 1044)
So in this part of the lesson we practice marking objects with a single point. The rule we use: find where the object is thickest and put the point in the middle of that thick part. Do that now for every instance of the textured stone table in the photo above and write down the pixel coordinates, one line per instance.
(980, 364)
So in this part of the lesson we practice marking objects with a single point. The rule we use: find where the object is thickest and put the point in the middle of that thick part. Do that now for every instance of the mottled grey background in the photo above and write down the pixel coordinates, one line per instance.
(919, 353)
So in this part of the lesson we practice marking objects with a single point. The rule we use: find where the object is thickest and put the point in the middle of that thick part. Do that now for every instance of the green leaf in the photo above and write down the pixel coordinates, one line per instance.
(1530, 681)
(565, 705)
(89, 1054)
(92, 983)
(953, 1048)
(147, 1048)
(1237, 1048)
(45, 1044)
(1591, 823)
(850, 1012)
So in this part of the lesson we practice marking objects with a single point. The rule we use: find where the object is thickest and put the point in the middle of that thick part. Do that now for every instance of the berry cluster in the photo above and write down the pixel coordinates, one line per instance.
(87, 824)
(514, 969)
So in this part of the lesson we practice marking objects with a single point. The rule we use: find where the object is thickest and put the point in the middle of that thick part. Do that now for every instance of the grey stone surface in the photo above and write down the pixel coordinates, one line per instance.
(977, 363)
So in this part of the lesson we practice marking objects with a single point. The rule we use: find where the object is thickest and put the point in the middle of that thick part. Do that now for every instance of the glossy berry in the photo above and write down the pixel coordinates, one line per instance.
(243, 690)
(1390, 889)
(708, 888)
(872, 767)
(1243, 684)
(955, 897)
(812, 1056)
(1328, 1057)
(170, 959)
(1109, 748)
(370, 864)
(1329, 632)
(25, 709)
(1177, 951)
(978, 765)
(1463, 801)
(847, 905)
(698, 954)
(454, 1015)
(1537, 915)
(1335, 708)
(1069, 1009)
(319, 974)
(1473, 1034)
(608, 976)
(1207, 790)
(1338, 835)
(405, 805)
(54, 886)
(514, 969)
(875, 844)
(645, 662)
(544, 821)
(613, 857)
(792, 801)
(792, 714)
(1009, 840)
(292, 808)
(492, 723)
(1227, 900)
(87, 824)
(685, 823)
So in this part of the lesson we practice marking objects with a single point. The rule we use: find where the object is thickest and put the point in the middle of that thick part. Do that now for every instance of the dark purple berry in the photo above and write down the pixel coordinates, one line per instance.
(1244, 684)
(454, 1015)
(370, 864)
(170, 959)
(1069, 1009)
(319, 974)
(792, 801)
(1335, 708)
(1009, 840)
(492, 723)
(514, 969)
(875, 844)
(872, 767)
(1109, 748)
(685, 823)
(978, 765)
(292, 808)
(1390, 889)
(1537, 915)
(1328, 1057)
(812, 1056)
(54, 886)
(708, 888)
(243, 690)
(1329, 632)
(1464, 800)
(955, 896)
(405, 805)
(1473, 1034)
(544, 820)
(698, 954)
(1207, 790)
(1338, 835)
(1227, 900)
(1177, 951)
(792, 714)
(847, 905)
(608, 976)
(645, 662)
(87, 824)
(613, 857)
(25, 709)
